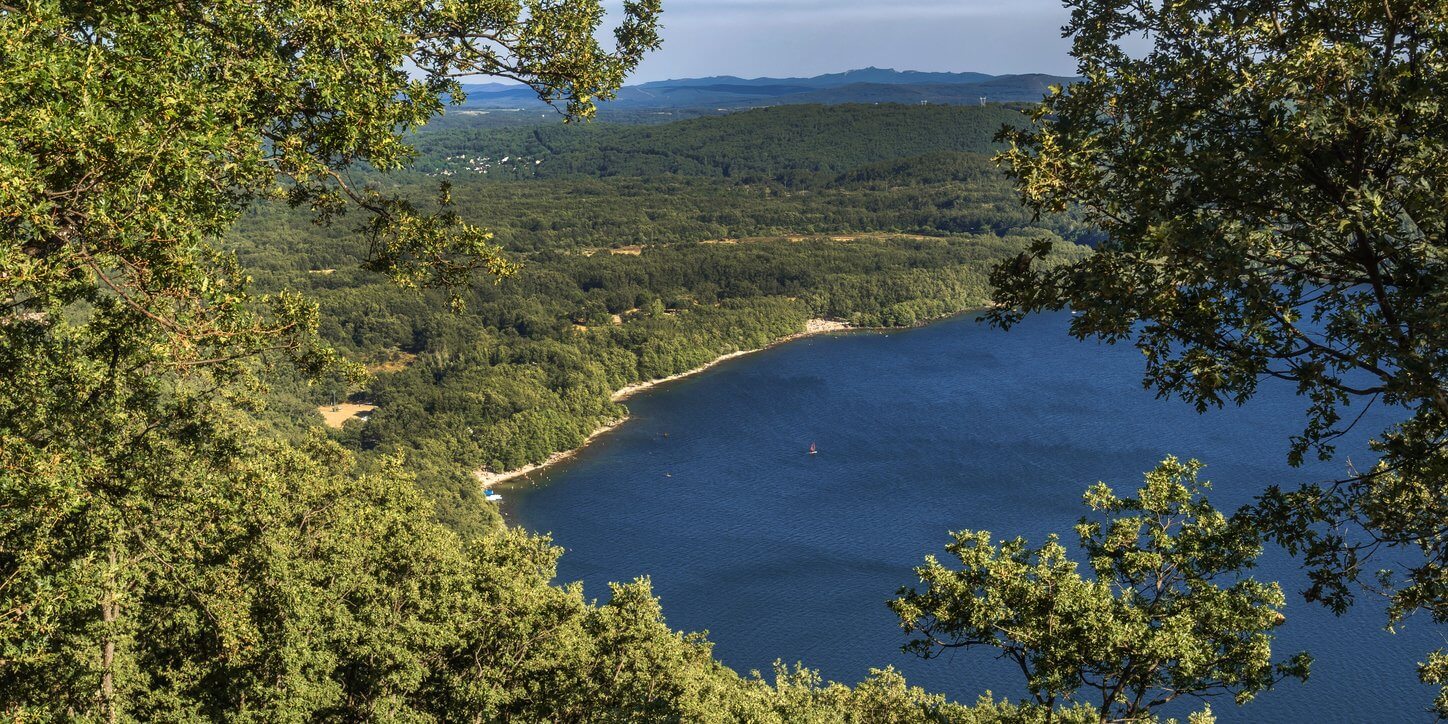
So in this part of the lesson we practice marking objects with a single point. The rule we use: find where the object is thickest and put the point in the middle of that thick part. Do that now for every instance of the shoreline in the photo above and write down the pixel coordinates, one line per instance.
(488, 478)
(812, 327)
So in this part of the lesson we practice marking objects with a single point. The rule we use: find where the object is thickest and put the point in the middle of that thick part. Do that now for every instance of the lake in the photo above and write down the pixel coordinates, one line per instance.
(709, 490)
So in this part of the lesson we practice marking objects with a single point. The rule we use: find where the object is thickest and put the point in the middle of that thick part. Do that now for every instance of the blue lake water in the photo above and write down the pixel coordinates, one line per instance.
(780, 554)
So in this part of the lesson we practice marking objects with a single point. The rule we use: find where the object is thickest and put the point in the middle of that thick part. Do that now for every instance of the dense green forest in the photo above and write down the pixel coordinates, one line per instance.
(636, 277)
(762, 143)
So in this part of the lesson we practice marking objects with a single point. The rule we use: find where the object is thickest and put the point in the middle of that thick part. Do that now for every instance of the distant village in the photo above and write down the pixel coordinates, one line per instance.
(463, 163)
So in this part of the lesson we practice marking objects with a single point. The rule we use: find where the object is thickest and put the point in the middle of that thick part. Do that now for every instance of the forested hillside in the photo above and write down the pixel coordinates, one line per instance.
(764, 142)
(777, 171)
(935, 194)
(872, 215)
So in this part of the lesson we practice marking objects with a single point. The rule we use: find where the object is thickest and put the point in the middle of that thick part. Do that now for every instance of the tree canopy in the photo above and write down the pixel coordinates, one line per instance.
(1169, 612)
(1270, 176)
(134, 135)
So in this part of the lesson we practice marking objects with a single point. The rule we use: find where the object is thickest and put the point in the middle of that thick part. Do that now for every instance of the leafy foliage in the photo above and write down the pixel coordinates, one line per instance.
(1270, 176)
(1168, 613)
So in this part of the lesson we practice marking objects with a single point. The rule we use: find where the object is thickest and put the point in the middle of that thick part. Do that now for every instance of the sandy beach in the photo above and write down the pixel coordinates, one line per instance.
(488, 478)
(813, 326)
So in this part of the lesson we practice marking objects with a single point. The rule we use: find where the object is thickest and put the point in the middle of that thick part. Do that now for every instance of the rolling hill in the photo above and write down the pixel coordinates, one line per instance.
(866, 85)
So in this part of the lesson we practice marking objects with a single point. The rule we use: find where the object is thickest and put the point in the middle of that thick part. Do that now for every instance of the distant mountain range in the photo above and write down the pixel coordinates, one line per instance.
(866, 85)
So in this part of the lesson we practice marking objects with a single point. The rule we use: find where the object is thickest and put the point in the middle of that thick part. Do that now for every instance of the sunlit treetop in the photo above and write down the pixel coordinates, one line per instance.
(133, 134)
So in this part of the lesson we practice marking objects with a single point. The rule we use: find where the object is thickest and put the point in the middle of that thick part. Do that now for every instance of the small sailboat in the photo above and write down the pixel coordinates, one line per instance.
(813, 450)
(490, 495)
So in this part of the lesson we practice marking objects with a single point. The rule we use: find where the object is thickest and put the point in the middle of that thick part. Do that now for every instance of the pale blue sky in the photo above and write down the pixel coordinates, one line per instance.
(752, 38)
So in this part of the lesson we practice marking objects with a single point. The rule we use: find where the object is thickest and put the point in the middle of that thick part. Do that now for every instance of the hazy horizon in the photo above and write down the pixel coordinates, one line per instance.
(632, 80)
